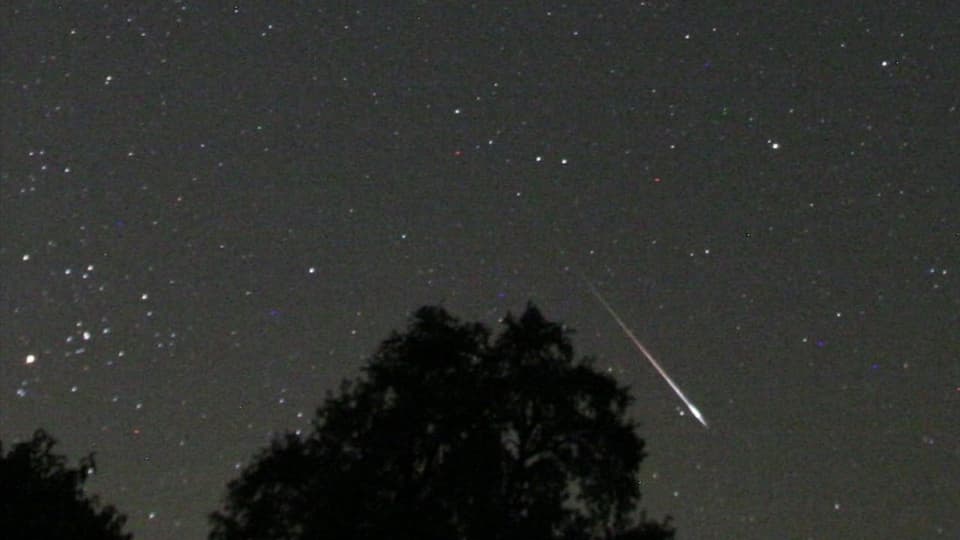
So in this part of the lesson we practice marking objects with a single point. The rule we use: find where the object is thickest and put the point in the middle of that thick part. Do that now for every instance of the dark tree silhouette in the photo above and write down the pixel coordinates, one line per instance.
(454, 434)
(40, 497)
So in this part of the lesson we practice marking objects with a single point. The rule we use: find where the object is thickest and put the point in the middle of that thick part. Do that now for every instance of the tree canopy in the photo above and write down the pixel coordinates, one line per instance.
(453, 433)
(41, 497)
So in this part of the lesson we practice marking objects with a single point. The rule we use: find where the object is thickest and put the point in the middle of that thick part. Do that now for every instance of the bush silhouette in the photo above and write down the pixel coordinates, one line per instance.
(42, 498)
(455, 434)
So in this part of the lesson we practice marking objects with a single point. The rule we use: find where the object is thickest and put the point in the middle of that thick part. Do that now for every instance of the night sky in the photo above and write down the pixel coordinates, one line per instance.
(211, 215)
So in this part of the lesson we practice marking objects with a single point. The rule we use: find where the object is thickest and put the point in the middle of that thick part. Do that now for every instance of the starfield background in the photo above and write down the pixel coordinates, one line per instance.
(211, 213)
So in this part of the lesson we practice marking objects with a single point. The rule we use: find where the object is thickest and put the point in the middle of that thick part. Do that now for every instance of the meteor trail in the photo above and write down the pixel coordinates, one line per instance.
(656, 365)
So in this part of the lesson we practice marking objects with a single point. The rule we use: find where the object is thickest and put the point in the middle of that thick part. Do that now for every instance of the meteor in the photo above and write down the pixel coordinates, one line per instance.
(656, 365)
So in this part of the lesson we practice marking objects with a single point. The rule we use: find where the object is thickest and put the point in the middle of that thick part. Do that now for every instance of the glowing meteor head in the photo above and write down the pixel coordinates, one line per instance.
(698, 415)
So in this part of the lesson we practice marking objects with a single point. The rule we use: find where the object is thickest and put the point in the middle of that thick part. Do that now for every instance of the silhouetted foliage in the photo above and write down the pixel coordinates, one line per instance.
(42, 498)
(454, 434)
